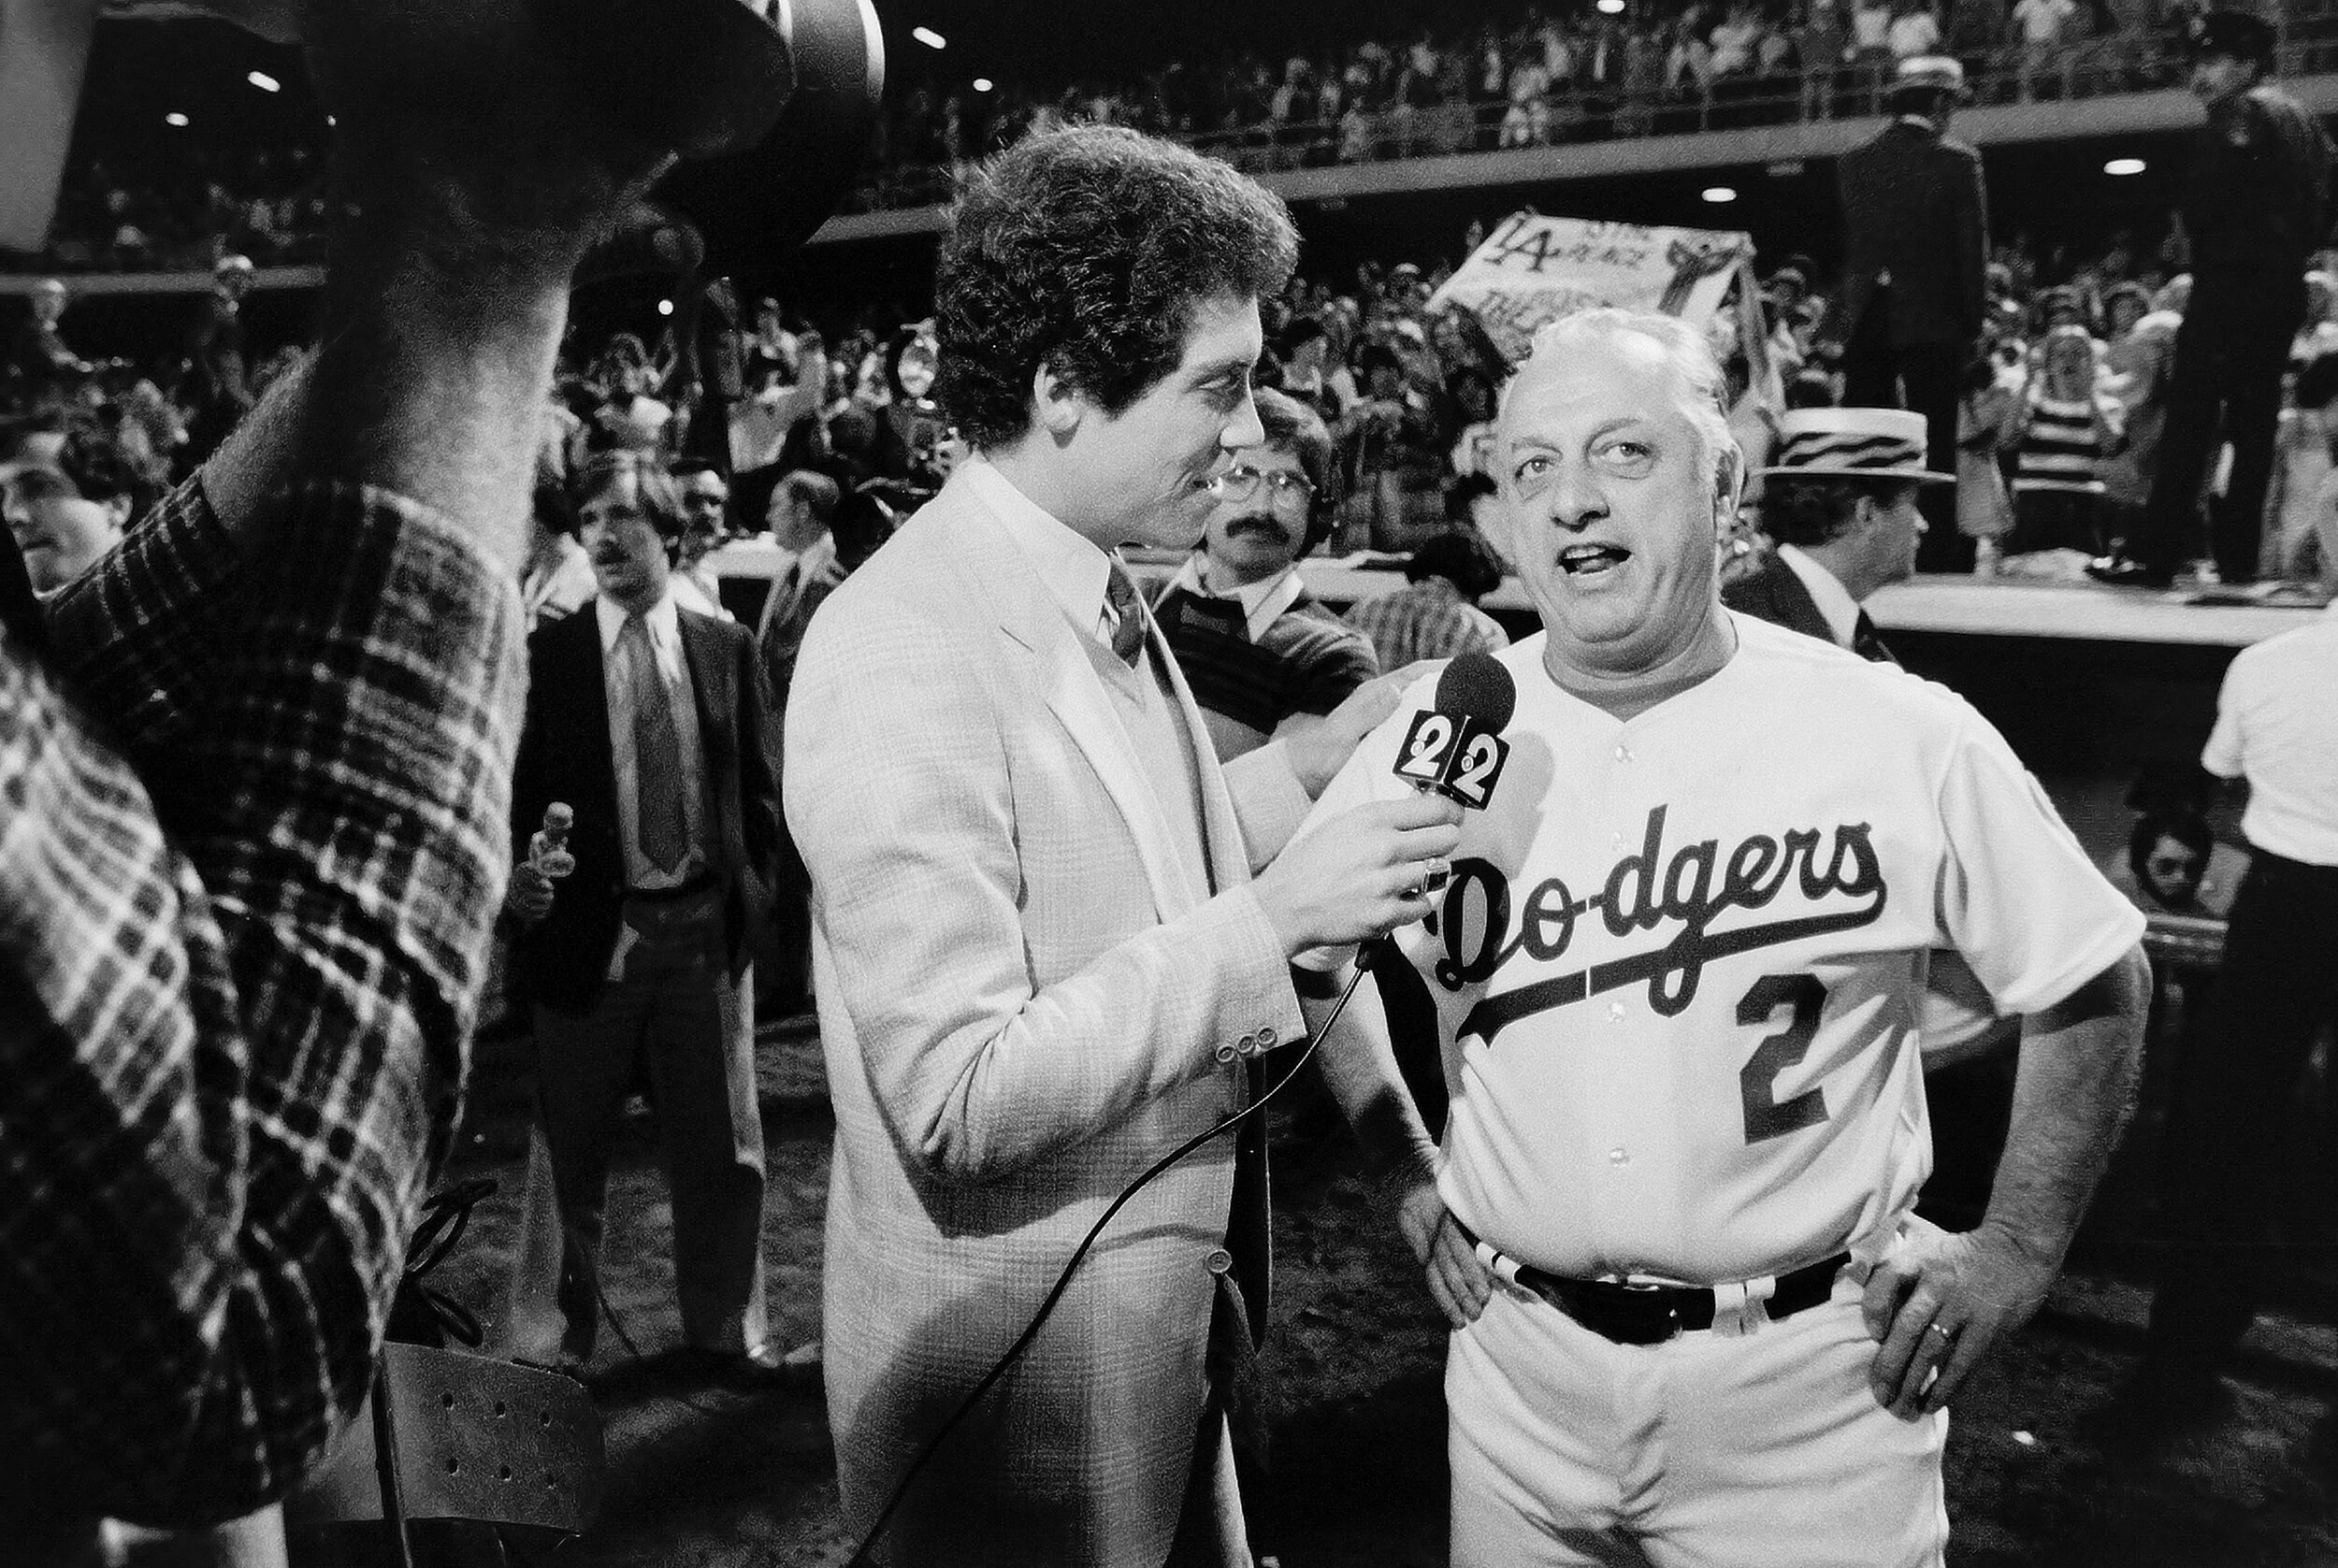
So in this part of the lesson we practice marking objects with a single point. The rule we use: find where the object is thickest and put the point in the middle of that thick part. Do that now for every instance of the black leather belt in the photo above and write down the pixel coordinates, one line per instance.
(1651, 1314)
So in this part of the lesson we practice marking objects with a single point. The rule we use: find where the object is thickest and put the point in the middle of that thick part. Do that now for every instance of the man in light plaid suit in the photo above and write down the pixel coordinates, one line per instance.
(1041, 958)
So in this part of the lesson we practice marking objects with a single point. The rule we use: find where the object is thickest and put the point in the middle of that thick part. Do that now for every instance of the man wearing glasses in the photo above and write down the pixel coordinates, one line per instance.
(1255, 647)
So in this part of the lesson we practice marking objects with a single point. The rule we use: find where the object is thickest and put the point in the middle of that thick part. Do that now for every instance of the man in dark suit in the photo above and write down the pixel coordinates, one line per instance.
(2255, 207)
(649, 722)
(1840, 505)
(1916, 233)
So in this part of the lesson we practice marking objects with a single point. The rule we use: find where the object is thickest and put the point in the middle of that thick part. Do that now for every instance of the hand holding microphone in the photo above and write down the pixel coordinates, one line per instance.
(529, 896)
(1373, 870)
(1358, 876)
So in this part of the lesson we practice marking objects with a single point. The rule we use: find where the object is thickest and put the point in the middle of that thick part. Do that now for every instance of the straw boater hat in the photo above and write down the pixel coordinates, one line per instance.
(1852, 443)
(1928, 73)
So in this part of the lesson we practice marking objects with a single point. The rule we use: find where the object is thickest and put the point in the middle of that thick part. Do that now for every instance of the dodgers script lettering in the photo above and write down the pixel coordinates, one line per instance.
(1678, 899)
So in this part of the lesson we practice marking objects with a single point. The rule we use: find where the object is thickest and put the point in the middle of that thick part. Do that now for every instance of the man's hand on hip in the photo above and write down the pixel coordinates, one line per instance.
(1939, 1303)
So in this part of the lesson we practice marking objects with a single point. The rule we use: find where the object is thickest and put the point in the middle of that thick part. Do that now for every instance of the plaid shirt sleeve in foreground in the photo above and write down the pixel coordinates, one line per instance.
(238, 981)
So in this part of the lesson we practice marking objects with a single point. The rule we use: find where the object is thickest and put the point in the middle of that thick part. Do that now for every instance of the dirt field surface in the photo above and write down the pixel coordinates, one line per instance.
(711, 1480)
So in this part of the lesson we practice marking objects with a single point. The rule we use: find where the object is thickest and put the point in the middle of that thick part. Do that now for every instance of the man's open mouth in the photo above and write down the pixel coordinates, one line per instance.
(1592, 560)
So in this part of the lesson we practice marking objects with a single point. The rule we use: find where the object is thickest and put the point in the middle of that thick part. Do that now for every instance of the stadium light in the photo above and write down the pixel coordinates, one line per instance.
(928, 37)
(1718, 194)
(1610, 7)
(265, 82)
(2123, 165)
(982, 84)
(175, 120)
(665, 307)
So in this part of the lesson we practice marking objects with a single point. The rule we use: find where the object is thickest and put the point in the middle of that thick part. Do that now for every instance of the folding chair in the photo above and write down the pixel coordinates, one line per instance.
(449, 1435)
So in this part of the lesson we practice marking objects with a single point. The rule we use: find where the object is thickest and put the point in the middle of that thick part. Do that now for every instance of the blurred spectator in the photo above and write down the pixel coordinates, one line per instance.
(557, 578)
(2070, 425)
(39, 361)
(1256, 646)
(2136, 363)
(1916, 221)
(1435, 615)
(2301, 529)
(2253, 211)
(1988, 423)
(706, 504)
(68, 510)
(220, 393)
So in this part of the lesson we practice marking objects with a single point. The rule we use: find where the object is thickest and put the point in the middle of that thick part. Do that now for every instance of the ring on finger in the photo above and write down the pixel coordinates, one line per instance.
(1435, 872)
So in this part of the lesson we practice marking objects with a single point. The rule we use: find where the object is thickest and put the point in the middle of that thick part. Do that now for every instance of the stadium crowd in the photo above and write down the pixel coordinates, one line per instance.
(1549, 74)
(2080, 344)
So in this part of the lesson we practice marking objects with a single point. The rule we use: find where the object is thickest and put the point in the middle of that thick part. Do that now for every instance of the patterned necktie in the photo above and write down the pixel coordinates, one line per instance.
(1867, 644)
(1128, 626)
(658, 822)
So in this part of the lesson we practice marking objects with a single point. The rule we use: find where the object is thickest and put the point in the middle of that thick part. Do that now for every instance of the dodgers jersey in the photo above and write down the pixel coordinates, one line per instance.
(1679, 968)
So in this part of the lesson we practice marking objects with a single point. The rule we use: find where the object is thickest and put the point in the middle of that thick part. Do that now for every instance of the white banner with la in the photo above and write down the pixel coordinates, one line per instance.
(1533, 271)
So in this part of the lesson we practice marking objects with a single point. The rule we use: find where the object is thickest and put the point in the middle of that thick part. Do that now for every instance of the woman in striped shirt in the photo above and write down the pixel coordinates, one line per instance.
(2072, 426)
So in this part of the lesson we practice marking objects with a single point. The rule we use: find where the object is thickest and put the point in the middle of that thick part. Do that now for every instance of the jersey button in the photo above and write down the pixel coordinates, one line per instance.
(1624, 754)
(1619, 1156)
(1218, 1260)
(1615, 1013)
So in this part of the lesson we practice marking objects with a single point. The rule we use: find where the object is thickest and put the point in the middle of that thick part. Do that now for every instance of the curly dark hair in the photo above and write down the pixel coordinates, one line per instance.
(1087, 250)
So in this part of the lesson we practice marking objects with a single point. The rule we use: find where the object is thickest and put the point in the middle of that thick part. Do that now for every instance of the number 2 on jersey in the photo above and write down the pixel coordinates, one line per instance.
(1765, 1115)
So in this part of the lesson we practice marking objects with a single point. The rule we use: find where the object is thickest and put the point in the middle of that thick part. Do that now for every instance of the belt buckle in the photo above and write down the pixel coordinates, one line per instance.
(1634, 1328)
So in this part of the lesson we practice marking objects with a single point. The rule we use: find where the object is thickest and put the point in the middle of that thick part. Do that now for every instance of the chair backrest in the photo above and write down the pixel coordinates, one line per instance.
(476, 1438)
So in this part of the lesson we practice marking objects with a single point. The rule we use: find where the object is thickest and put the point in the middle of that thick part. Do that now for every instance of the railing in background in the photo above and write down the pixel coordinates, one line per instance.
(2123, 63)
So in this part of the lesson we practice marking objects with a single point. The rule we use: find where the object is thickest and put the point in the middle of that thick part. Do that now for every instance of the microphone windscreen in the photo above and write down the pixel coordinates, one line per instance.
(1477, 686)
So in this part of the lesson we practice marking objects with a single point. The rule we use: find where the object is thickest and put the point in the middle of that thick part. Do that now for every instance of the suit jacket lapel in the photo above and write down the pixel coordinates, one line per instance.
(1222, 829)
(586, 702)
(992, 569)
(710, 685)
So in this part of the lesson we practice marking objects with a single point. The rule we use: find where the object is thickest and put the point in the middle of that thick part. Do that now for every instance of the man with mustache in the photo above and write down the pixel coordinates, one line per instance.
(647, 719)
(1256, 646)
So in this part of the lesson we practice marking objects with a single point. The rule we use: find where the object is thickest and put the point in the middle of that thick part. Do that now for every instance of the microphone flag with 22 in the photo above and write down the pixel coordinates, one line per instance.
(1457, 748)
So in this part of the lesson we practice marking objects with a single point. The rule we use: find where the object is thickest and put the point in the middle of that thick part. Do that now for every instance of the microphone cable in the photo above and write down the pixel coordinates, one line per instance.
(1046, 1307)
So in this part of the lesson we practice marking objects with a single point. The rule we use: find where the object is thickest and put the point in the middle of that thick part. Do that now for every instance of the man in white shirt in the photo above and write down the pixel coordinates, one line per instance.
(1840, 504)
(2276, 737)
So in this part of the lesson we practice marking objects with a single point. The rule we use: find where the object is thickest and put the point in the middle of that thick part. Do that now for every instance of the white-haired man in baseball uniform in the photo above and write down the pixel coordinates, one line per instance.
(1679, 966)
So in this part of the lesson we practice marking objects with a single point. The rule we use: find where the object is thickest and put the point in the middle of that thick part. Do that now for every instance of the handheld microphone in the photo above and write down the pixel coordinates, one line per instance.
(1455, 748)
(548, 851)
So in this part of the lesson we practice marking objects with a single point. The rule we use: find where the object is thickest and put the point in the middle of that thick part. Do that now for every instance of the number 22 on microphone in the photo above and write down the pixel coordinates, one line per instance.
(1449, 754)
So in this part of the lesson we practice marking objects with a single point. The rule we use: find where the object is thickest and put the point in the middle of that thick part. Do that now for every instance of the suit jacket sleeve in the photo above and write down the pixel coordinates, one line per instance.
(759, 785)
(899, 792)
(1969, 194)
(1269, 800)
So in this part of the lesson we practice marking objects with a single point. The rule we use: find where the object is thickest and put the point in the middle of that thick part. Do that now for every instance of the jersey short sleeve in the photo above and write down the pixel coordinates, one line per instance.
(2222, 755)
(2017, 897)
